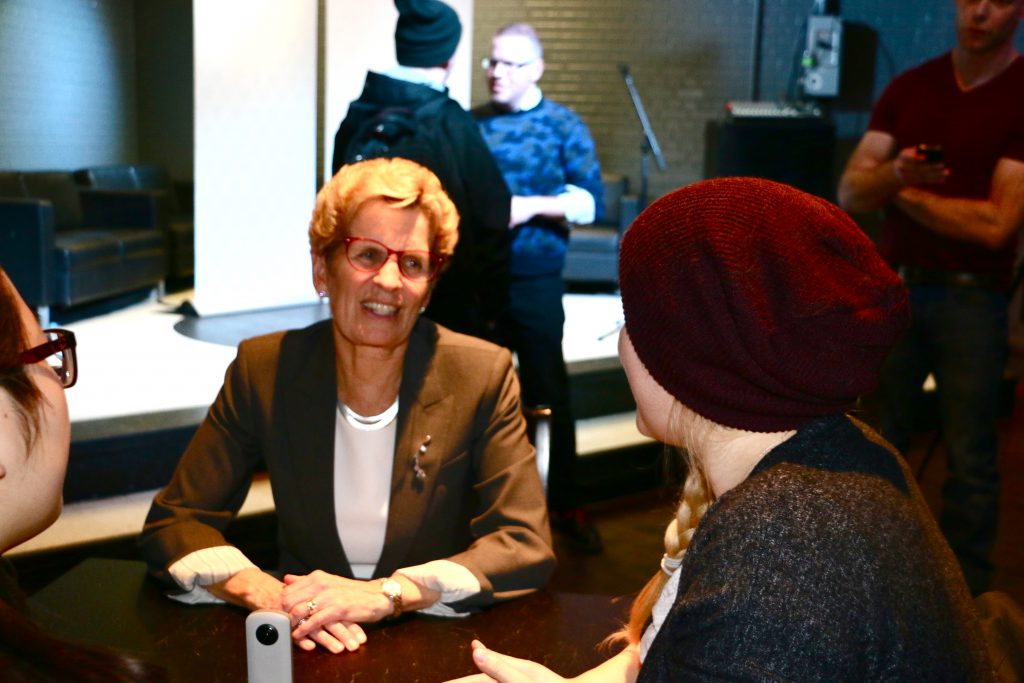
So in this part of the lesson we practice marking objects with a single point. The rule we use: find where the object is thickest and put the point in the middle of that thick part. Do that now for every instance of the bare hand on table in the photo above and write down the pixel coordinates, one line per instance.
(338, 606)
(496, 667)
(250, 588)
(255, 589)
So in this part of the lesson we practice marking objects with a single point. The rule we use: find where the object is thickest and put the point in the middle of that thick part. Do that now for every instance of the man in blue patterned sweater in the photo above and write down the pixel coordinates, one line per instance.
(549, 162)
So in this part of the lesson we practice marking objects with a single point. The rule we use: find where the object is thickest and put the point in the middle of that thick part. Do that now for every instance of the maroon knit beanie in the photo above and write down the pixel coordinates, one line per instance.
(757, 305)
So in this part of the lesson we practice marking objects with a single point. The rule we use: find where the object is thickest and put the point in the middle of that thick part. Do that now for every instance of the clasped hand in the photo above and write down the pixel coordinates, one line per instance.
(326, 609)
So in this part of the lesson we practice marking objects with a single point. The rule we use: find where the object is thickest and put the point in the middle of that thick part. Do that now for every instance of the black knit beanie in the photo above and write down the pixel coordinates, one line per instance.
(757, 305)
(427, 32)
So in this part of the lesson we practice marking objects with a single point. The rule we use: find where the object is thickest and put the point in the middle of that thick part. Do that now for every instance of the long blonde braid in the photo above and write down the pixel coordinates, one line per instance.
(694, 499)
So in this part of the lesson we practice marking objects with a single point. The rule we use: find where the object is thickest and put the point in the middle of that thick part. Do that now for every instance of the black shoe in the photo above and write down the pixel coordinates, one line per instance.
(581, 533)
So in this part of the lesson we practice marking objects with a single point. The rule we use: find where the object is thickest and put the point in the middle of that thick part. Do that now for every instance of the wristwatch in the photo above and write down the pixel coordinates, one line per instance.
(393, 590)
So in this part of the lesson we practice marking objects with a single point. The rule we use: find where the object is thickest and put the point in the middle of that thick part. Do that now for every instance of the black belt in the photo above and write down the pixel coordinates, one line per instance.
(919, 275)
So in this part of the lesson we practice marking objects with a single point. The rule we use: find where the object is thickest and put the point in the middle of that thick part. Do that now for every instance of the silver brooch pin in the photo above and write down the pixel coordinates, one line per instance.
(420, 452)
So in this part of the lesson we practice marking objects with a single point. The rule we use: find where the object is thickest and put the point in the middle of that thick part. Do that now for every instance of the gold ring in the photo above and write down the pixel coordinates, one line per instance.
(311, 606)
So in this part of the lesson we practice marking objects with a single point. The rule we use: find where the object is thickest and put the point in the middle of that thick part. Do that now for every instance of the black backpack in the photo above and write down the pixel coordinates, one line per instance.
(400, 132)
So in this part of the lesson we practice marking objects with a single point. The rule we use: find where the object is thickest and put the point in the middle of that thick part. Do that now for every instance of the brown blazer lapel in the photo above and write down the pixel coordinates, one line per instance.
(310, 400)
(425, 409)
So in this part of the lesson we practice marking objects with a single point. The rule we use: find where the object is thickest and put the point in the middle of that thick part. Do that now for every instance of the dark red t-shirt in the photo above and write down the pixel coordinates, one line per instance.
(975, 128)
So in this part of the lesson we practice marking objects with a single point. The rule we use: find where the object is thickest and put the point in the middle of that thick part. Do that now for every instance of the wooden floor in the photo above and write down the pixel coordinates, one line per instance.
(633, 527)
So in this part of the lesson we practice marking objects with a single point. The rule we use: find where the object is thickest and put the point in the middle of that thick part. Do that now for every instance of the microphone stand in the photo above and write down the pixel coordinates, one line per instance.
(650, 143)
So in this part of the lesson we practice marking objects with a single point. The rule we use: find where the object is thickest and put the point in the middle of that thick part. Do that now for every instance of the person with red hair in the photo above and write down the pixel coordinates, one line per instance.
(36, 366)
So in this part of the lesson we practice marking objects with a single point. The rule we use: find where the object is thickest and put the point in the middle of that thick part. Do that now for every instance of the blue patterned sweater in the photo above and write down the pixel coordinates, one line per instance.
(539, 152)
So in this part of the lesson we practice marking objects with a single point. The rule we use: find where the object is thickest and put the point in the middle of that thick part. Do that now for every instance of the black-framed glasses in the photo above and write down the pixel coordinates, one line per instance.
(490, 63)
(369, 256)
(59, 353)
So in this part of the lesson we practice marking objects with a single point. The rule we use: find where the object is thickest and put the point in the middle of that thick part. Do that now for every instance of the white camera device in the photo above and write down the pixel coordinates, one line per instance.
(268, 645)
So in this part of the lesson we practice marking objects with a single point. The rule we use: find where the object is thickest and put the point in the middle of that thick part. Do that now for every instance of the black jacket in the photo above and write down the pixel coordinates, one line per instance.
(825, 564)
(474, 289)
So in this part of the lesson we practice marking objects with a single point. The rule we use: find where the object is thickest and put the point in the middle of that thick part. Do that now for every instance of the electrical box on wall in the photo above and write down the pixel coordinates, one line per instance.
(821, 58)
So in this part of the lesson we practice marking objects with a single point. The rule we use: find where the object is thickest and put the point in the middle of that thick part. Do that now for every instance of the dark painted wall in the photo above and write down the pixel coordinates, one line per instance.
(98, 82)
(67, 83)
(165, 103)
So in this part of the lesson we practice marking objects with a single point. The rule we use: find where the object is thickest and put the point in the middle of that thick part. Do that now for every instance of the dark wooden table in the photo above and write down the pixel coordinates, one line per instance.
(112, 602)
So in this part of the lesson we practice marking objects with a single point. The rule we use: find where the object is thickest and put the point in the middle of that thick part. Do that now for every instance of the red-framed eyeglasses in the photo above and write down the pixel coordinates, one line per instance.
(59, 352)
(369, 256)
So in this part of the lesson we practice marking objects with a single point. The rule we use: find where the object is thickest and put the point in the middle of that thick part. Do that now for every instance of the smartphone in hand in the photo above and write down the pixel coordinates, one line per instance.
(931, 154)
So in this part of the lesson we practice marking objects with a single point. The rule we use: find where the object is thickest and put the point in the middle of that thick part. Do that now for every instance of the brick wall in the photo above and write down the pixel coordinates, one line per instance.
(688, 57)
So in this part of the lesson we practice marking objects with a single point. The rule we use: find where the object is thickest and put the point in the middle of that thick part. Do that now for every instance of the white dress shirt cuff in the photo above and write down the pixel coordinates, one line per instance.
(204, 567)
(578, 205)
(451, 579)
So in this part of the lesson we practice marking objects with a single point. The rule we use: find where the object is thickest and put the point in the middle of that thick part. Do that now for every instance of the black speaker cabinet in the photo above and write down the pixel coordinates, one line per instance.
(798, 151)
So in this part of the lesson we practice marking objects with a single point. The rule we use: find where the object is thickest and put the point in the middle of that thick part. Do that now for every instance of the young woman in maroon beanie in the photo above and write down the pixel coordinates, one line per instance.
(802, 549)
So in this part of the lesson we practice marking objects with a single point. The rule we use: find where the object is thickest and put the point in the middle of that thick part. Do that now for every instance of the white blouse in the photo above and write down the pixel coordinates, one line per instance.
(363, 461)
(364, 450)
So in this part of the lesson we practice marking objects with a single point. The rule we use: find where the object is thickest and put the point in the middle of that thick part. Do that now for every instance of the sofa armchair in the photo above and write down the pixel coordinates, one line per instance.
(177, 201)
(593, 252)
(63, 245)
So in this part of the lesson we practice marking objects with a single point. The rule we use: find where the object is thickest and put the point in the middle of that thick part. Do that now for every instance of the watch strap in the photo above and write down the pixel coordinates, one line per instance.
(393, 590)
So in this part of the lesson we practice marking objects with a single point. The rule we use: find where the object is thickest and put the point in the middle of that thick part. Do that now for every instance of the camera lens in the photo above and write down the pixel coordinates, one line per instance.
(266, 634)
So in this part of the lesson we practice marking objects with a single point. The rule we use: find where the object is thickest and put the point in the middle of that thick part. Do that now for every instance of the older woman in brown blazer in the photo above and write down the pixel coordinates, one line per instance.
(403, 480)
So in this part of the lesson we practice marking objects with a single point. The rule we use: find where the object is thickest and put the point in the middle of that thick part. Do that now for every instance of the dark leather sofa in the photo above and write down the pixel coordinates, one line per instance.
(593, 255)
(177, 202)
(63, 245)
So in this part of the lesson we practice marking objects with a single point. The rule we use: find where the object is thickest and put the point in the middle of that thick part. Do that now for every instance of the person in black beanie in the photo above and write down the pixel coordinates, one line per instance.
(474, 290)
(427, 33)
(802, 548)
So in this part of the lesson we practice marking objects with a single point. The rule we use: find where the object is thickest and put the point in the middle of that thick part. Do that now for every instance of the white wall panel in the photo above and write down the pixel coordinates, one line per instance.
(255, 152)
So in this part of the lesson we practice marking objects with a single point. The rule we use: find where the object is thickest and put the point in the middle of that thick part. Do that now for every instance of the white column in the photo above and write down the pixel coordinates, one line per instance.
(255, 152)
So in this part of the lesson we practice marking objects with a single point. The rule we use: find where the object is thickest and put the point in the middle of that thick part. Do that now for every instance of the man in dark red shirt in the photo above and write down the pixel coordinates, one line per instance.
(944, 156)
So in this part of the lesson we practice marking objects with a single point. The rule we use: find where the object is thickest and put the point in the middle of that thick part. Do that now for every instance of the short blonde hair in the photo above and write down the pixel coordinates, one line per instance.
(399, 182)
(524, 30)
